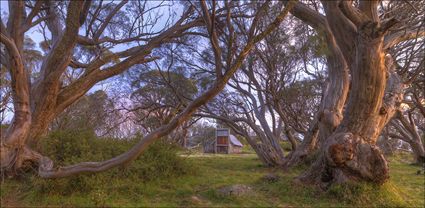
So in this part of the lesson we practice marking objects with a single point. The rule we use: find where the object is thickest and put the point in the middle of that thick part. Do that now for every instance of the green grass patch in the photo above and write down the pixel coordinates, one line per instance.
(197, 184)
(368, 195)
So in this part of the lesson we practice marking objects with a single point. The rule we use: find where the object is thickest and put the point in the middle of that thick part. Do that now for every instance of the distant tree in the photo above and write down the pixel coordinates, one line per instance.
(93, 112)
(405, 126)
(158, 97)
(200, 134)
(273, 97)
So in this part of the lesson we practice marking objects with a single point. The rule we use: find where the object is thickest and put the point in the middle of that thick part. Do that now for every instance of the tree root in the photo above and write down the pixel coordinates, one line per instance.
(344, 158)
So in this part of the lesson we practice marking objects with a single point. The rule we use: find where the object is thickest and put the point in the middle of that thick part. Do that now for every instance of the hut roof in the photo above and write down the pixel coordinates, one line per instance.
(235, 141)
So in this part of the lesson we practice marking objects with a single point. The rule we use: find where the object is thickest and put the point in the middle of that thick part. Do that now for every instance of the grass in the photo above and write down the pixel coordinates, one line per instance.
(403, 176)
(198, 189)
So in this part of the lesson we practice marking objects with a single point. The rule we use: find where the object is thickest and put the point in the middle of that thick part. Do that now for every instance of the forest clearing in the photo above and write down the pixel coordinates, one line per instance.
(200, 188)
(212, 103)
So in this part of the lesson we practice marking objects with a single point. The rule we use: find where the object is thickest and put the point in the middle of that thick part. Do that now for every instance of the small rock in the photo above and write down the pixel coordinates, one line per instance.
(196, 199)
(235, 190)
(271, 178)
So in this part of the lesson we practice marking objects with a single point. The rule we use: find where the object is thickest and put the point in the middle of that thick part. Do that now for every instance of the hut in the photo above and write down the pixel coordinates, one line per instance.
(223, 143)
(235, 145)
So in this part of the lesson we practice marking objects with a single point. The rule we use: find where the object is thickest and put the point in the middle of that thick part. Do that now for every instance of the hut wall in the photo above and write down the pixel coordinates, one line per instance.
(236, 149)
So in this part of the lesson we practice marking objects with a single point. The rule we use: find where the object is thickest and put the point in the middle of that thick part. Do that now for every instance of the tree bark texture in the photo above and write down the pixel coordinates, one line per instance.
(333, 100)
(350, 153)
(347, 150)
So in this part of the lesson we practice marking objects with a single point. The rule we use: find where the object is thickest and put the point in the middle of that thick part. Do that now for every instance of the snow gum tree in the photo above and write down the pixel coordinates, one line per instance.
(359, 37)
(82, 36)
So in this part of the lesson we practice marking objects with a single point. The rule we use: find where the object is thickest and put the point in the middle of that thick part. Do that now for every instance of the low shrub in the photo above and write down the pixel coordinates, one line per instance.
(159, 161)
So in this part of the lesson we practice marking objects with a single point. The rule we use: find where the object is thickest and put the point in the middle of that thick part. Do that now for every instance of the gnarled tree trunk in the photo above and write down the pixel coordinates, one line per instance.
(350, 153)
(334, 96)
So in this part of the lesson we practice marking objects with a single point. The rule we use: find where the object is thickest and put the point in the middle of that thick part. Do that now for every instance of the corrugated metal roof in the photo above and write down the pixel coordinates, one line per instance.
(235, 141)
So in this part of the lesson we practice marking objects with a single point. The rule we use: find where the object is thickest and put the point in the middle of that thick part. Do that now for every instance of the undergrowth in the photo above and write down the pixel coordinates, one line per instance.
(159, 161)
(160, 178)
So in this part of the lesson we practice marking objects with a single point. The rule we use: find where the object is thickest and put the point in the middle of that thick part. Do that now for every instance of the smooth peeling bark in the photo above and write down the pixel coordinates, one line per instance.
(13, 142)
(266, 149)
(330, 113)
(350, 153)
(264, 158)
(14, 148)
(270, 145)
(336, 91)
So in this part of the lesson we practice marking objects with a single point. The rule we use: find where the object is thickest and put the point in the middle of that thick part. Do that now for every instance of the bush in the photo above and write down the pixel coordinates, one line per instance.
(159, 161)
